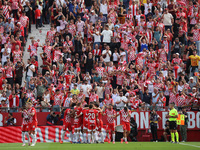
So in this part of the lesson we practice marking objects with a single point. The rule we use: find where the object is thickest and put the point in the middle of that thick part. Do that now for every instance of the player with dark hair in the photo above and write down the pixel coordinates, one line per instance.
(32, 122)
(100, 123)
(92, 122)
(24, 127)
(125, 115)
(77, 122)
(67, 124)
(110, 113)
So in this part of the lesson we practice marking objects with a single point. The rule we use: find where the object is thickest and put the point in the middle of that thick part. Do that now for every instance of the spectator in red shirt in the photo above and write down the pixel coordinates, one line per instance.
(46, 63)
(1, 80)
(13, 102)
(37, 17)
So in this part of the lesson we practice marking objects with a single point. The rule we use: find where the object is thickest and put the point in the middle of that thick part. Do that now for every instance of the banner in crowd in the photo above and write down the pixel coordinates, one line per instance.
(141, 118)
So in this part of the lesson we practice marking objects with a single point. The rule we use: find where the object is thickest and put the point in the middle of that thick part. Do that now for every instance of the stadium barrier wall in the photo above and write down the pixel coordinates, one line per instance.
(52, 133)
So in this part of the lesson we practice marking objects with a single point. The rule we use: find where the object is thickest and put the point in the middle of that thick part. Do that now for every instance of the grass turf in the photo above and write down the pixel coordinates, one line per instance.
(106, 146)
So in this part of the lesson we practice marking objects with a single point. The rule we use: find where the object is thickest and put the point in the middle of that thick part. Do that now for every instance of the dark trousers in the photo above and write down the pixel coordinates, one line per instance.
(18, 80)
(38, 23)
(15, 13)
(154, 132)
(10, 81)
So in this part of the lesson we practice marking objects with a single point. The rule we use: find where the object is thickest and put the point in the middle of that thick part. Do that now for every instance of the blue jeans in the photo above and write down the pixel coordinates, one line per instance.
(168, 27)
(106, 17)
(193, 70)
(198, 47)
(169, 53)
(126, 56)
(27, 81)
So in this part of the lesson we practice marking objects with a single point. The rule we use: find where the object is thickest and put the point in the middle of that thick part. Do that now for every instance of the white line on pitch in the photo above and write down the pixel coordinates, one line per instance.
(189, 145)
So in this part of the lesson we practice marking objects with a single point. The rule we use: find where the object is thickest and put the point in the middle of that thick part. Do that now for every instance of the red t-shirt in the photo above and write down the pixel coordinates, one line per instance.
(1, 82)
(37, 14)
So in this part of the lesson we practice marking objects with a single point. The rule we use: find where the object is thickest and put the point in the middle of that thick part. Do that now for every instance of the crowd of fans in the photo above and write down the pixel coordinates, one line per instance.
(140, 54)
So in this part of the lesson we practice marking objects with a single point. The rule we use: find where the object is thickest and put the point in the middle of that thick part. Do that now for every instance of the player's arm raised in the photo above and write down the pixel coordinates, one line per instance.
(79, 115)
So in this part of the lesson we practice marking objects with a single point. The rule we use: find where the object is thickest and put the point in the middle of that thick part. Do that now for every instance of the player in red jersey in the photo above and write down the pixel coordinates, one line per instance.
(77, 122)
(25, 121)
(84, 113)
(32, 122)
(92, 121)
(125, 115)
(67, 124)
(100, 123)
(110, 114)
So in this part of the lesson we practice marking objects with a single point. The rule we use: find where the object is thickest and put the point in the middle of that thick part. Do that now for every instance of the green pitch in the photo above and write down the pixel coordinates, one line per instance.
(106, 146)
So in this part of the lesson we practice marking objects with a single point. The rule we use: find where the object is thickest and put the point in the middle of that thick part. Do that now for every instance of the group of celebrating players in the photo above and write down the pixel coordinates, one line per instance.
(77, 119)
(88, 120)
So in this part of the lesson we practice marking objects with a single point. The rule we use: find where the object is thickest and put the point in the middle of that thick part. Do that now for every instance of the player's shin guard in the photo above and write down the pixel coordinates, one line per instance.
(84, 137)
(78, 136)
(63, 135)
(102, 137)
(71, 136)
(113, 136)
(27, 135)
(172, 136)
(93, 137)
(125, 139)
(89, 137)
(75, 140)
(177, 136)
(34, 139)
(96, 136)
(23, 137)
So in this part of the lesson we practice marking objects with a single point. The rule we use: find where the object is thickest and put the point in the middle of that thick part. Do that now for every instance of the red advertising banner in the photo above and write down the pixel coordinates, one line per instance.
(53, 134)
(44, 134)
(142, 119)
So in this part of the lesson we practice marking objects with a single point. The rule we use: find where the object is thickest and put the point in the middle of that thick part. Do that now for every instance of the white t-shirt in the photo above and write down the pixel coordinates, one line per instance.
(107, 34)
(97, 38)
(154, 100)
(85, 89)
(107, 58)
(111, 26)
(114, 97)
(4, 57)
(167, 21)
(100, 91)
(104, 8)
(30, 72)
(137, 17)
(146, 7)
(121, 105)
(115, 56)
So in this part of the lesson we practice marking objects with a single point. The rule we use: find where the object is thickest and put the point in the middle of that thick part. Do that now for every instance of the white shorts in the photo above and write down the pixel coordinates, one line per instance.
(85, 128)
(77, 128)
